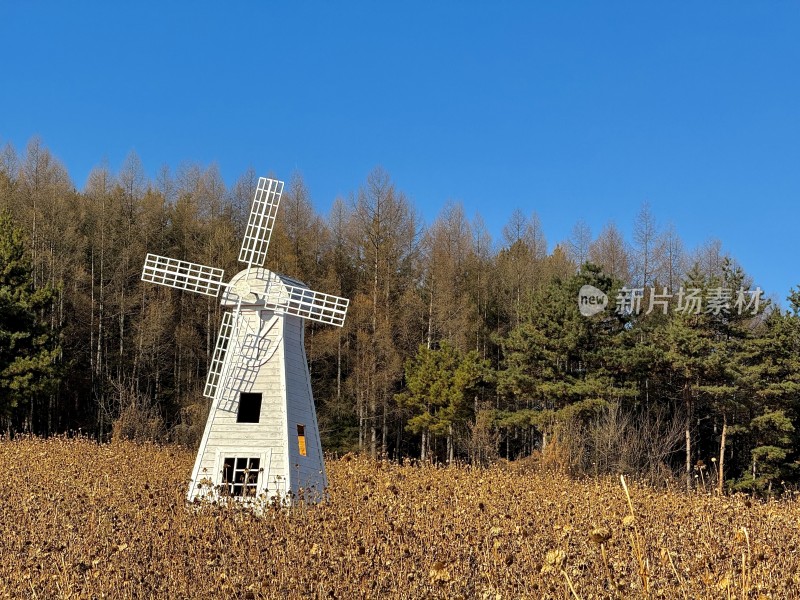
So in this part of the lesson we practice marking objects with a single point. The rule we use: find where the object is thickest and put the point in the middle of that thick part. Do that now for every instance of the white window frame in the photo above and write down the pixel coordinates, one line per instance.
(233, 453)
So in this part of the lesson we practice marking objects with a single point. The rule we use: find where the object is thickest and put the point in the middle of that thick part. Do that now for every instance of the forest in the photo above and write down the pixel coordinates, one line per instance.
(456, 346)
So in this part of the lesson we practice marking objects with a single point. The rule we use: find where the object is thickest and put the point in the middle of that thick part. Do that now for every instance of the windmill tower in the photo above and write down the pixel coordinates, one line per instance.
(261, 439)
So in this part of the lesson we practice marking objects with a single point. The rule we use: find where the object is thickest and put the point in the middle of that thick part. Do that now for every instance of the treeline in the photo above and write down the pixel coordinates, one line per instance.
(456, 346)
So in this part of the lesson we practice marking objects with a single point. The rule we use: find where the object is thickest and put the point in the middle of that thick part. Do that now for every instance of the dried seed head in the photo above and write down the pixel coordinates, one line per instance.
(629, 521)
(600, 535)
(556, 559)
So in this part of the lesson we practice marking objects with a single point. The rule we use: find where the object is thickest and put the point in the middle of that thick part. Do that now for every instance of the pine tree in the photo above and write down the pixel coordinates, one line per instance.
(556, 357)
(28, 347)
(438, 382)
(770, 376)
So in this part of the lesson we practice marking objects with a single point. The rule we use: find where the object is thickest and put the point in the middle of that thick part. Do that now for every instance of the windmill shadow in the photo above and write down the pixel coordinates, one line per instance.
(255, 350)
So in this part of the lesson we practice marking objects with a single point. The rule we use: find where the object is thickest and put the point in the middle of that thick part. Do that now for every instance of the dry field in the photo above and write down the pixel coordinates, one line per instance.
(86, 521)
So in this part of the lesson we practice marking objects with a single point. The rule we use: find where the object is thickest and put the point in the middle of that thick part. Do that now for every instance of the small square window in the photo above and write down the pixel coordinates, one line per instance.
(249, 408)
(240, 476)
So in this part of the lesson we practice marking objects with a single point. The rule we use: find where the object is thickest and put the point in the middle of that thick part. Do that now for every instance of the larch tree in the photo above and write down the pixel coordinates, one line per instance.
(519, 264)
(385, 237)
(579, 243)
(9, 177)
(670, 271)
(447, 247)
(481, 286)
(710, 258)
(610, 252)
(645, 238)
(241, 195)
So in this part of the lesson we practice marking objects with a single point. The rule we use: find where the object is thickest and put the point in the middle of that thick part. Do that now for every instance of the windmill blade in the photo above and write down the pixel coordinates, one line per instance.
(261, 221)
(182, 275)
(215, 374)
(306, 303)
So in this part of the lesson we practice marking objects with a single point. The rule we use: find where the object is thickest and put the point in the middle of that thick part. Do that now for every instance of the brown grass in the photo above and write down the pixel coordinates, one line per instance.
(86, 521)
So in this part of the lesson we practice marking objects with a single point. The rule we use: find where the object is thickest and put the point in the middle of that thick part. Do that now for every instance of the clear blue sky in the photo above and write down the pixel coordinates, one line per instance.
(577, 110)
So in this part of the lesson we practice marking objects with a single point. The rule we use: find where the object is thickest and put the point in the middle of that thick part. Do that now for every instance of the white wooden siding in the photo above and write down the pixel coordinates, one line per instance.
(287, 400)
(307, 472)
(223, 435)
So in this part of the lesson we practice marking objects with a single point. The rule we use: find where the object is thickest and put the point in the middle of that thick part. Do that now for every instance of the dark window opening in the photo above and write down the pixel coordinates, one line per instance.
(249, 408)
(240, 476)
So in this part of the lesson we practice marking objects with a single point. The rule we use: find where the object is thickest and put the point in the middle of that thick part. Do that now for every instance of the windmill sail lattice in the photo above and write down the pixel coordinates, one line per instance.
(218, 359)
(182, 275)
(303, 302)
(261, 221)
(262, 411)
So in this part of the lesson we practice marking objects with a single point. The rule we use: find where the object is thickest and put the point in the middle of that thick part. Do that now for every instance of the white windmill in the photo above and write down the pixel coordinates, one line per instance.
(261, 436)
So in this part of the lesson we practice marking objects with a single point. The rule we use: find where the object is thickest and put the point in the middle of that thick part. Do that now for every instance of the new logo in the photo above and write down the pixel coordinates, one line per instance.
(591, 300)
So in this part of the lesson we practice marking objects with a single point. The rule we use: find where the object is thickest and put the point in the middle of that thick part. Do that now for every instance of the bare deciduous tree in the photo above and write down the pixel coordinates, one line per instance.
(579, 243)
(610, 252)
(645, 237)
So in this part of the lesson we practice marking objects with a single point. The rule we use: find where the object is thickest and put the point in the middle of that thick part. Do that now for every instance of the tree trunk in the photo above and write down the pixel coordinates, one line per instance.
(384, 431)
(722, 440)
(398, 435)
(450, 444)
(121, 334)
(339, 367)
(91, 323)
(373, 426)
(688, 454)
(430, 319)
(209, 334)
(373, 400)
(361, 422)
(359, 390)
(99, 359)
(139, 356)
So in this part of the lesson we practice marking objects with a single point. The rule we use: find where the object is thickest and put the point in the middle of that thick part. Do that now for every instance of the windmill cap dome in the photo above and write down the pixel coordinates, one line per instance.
(257, 286)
